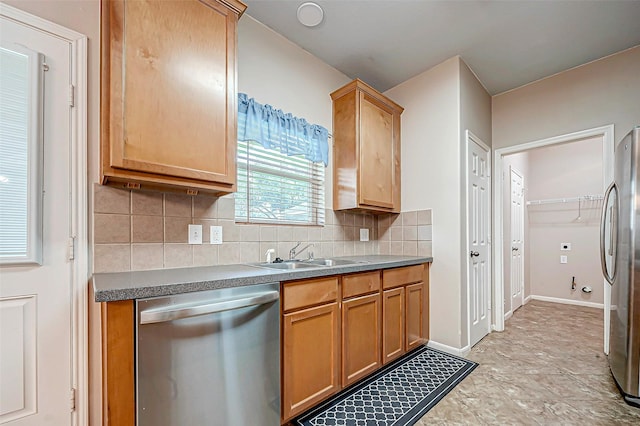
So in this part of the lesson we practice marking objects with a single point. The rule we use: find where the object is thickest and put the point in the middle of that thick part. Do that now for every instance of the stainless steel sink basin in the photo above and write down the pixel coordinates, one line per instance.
(302, 264)
(287, 265)
(331, 262)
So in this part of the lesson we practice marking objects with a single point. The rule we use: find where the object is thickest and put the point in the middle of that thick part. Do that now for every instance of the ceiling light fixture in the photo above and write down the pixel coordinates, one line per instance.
(310, 14)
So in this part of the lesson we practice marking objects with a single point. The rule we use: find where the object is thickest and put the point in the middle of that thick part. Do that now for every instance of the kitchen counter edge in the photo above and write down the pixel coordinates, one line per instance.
(116, 286)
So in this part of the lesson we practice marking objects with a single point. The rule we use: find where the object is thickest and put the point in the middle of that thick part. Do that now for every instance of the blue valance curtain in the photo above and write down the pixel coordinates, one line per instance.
(277, 130)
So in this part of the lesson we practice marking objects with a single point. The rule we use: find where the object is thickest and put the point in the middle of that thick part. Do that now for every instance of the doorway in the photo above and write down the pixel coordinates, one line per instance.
(569, 212)
(478, 172)
(44, 263)
(516, 232)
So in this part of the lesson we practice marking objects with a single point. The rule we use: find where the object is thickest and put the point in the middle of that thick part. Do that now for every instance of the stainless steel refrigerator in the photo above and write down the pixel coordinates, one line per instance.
(620, 255)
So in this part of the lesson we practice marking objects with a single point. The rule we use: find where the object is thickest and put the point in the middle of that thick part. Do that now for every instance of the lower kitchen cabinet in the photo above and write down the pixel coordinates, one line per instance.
(360, 337)
(393, 329)
(112, 363)
(339, 329)
(405, 310)
(414, 317)
(310, 357)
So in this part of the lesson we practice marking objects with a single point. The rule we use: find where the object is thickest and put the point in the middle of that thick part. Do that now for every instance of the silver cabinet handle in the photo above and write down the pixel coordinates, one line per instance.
(614, 231)
(170, 313)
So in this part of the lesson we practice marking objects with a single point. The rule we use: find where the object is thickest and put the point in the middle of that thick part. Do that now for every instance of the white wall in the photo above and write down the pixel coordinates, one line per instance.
(566, 170)
(275, 71)
(431, 179)
(596, 94)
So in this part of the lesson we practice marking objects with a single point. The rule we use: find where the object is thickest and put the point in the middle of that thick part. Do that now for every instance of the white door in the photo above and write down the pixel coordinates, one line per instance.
(478, 192)
(36, 298)
(517, 240)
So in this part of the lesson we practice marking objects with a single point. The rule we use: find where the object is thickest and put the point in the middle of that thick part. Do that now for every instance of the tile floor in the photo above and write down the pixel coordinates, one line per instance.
(546, 368)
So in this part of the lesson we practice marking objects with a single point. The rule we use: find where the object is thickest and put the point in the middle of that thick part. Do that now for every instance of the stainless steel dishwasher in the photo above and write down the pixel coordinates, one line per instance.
(209, 358)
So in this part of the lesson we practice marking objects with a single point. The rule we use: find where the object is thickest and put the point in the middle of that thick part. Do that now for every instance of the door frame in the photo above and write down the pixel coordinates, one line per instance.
(508, 314)
(607, 134)
(470, 137)
(79, 202)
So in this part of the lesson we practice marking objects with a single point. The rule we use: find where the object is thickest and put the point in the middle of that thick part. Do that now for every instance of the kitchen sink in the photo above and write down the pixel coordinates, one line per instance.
(331, 262)
(311, 263)
(287, 265)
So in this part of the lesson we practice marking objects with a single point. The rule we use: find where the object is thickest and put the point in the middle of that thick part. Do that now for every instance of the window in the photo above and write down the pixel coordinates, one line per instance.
(21, 112)
(281, 164)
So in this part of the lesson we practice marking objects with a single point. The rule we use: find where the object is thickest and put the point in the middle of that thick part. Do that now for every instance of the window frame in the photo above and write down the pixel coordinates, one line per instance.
(315, 178)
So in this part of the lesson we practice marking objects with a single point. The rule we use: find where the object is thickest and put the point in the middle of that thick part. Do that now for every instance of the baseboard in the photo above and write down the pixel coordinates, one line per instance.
(449, 349)
(508, 315)
(527, 299)
(568, 301)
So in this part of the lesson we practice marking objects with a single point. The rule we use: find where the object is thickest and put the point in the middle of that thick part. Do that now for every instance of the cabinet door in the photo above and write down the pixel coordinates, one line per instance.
(415, 295)
(393, 320)
(360, 337)
(310, 358)
(169, 92)
(377, 154)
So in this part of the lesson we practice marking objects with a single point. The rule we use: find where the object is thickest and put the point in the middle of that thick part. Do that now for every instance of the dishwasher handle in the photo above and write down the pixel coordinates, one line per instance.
(175, 312)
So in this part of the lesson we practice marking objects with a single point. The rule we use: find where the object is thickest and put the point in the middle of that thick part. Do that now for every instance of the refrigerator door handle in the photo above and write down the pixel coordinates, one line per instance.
(613, 235)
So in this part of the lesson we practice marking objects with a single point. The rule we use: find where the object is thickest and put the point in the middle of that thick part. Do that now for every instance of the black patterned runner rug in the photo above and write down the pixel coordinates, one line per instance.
(397, 395)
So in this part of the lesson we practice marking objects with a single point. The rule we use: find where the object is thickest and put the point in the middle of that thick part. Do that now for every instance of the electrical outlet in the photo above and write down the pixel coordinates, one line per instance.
(215, 234)
(565, 246)
(563, 259)
(195, 234)
(364, 234)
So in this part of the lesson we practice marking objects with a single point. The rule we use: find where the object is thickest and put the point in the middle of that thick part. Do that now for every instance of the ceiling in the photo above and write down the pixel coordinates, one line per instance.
(506, 43)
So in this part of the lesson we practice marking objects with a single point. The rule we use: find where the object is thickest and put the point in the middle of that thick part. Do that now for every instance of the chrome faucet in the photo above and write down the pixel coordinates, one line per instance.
(293, 252)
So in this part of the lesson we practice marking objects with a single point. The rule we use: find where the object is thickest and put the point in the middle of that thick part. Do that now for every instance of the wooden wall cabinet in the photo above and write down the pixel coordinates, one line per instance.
(366, 150)
(168, 95)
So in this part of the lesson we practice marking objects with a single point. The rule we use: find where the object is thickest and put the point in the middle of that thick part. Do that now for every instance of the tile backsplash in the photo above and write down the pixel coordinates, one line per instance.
(135, 230)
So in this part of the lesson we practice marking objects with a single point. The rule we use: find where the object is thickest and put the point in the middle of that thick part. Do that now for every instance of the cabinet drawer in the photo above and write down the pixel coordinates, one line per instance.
(300, 294)
(358, 284)
(400, 276)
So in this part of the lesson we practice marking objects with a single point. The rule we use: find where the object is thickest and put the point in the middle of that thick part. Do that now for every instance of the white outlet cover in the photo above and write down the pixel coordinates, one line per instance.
(563, 259)
(364, 234)
(195, 234)
(215, 234)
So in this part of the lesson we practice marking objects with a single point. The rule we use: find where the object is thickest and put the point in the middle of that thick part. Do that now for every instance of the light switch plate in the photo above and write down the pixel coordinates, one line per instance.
(565, 246)
(195, 234)
(215, 234)
(364, 234)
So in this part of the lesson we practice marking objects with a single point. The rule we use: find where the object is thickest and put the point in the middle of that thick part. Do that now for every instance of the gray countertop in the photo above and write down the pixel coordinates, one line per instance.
(110, 287)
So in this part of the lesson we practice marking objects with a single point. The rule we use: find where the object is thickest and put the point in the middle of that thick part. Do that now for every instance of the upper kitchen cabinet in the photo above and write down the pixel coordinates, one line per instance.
(366, 150)
(169, 96)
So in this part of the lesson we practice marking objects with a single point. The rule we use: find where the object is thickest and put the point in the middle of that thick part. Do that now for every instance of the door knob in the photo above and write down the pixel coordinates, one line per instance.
(514, 248)
(474, 253)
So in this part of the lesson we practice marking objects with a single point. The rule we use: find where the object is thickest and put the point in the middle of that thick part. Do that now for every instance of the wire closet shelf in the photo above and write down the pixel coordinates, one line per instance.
(566, 200)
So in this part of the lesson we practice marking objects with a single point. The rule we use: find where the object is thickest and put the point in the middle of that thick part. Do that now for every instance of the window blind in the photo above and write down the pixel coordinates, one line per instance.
(21, 111)
(276, 188)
